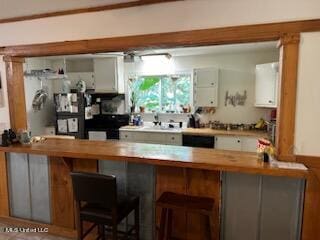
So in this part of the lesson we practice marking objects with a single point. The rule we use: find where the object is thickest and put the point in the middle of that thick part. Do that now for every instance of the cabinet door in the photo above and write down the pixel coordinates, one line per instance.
(206, 77)
(105, 74)
(206, 97)
(266, 85)
(173, 139)
(97, 135)
(19, 185)
(126, 136)
(88, 77)
(249, 144)
(228, 143)
(39, 188)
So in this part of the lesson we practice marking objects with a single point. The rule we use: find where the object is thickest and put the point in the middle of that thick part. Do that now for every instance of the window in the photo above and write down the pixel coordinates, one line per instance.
(165, 93)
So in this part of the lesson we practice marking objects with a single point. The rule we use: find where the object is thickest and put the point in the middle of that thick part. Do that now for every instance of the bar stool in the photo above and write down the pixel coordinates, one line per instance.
(97, 202)
(169, 201)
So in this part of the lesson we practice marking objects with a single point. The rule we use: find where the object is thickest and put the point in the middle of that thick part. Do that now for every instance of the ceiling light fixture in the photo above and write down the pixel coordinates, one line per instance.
(156, 56)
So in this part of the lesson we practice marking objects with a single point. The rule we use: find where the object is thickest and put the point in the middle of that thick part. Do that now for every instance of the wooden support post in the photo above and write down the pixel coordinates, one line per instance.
(4, 195)
(289, 53)
(16, 95)
(62, 204)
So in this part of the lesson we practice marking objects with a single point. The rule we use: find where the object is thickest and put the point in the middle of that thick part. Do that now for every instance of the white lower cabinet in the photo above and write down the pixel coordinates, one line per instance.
(126, 136)
(228, 143)
(233, 143)
(151, 137)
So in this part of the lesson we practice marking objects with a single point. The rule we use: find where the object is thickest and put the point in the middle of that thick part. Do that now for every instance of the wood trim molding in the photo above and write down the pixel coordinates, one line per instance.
(13, 59)
(310, 161)
(84, 10)
(289, 56)
(215, 36)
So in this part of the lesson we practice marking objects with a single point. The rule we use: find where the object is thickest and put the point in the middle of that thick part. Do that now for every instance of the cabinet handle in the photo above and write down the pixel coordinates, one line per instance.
(211, 102)
(270, 101)
(238, 141)
(172, 138)
(212, 84)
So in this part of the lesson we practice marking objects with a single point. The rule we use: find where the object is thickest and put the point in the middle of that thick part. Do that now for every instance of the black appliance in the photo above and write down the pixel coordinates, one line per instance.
(197, 141)
(72, 109)
(107, 123)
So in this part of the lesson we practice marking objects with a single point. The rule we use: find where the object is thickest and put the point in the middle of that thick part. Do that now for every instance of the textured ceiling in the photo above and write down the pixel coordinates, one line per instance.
(18, 8)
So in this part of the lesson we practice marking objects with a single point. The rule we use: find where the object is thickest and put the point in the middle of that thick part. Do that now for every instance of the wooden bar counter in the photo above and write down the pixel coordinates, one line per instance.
(219, 174)
(155, 154)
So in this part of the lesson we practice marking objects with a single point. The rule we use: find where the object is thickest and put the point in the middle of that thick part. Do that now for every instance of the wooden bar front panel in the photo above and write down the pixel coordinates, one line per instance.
(194, 182)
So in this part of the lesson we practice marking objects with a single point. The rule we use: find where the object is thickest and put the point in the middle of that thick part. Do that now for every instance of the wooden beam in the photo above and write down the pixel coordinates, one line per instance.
(215, 36)
(16, 94)
(289, 56)
(4, 195)
(84, 10)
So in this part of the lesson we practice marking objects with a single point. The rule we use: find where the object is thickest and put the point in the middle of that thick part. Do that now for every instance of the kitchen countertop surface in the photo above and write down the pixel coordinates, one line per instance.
(215, 132)
(156, 154)
(197, 131)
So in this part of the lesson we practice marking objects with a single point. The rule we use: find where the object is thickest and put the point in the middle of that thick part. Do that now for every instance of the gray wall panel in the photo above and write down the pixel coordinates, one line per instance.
(19, 186)
(280, 209)
(40, 194)
(256, 207)
(141, 182)
(241, 202)
(118, 169)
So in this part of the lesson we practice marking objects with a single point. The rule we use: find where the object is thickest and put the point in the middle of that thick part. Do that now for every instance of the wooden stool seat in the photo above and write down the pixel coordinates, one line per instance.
(169, 201)
(185, 202)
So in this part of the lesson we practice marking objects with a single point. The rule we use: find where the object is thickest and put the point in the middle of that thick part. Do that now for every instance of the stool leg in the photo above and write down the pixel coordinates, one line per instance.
(137, 222)
(211, 226)
(114, 232)
(169, 225)
(102, 232)
(162, 224)
(79, 229)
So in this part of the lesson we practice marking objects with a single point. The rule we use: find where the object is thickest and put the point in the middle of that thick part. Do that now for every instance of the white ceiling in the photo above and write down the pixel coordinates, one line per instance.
(17, 8)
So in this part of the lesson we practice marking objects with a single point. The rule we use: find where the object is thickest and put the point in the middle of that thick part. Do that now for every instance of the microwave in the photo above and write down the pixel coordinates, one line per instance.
(114, 106)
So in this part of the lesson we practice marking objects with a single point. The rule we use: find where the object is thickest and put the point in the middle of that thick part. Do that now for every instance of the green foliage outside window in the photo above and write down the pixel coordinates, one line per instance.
(165, 93)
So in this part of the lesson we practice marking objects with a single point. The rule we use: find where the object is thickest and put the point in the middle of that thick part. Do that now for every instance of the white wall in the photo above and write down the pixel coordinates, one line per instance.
(307, 132)
(237, 73)
(165, 17)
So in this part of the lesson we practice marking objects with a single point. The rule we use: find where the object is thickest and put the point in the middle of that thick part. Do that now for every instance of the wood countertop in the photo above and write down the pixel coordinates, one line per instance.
(156, 154)
(215, 132)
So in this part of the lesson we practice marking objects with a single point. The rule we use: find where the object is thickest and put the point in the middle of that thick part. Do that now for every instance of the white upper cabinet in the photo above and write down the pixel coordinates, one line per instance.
(88, 77)
(108, 73)
(267, 85)
(206, 83)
